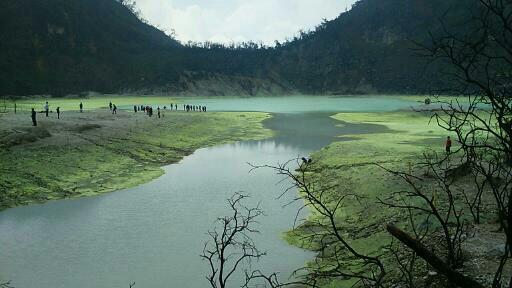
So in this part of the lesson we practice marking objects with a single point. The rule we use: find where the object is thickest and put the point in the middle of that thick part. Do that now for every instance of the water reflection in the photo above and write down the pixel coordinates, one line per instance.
(151, 234)
(311, 131)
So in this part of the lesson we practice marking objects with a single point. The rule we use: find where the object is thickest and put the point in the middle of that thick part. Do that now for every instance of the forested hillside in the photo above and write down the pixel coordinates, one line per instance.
(68, 46)
(62, 46)
(373, 48)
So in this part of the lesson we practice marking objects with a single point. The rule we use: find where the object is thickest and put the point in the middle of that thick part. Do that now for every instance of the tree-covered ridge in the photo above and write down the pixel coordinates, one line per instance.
(59, 46)
(370, 49)
(68, 46)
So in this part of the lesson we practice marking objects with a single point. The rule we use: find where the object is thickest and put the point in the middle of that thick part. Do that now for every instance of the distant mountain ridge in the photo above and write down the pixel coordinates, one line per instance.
(68, 46)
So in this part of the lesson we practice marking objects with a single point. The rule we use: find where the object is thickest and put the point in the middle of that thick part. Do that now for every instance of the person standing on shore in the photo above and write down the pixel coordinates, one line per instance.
(110, 105)
(135, 109)
(158, 111)
(46, 108)
(33, 116)
(81, 107)
(448, 145)
(114, 110)
(58, 112)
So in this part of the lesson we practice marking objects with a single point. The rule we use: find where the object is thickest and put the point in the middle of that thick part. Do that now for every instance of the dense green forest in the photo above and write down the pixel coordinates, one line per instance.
(68, 46)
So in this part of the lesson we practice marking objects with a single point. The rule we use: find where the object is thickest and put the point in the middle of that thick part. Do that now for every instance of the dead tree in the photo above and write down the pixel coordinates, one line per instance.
(230, 245)
(337, 259)
(435, 220)
(231, 249)
(480, 58)
(425, 253)
(482, 63)
(432, 199)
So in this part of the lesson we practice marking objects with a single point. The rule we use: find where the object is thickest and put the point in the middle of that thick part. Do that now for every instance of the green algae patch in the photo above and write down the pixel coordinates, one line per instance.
(354, 162)
(352, 167)
(95, 152)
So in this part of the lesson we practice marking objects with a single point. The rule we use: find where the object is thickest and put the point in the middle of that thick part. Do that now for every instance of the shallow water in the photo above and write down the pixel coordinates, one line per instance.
(153, 234)
(292, 104)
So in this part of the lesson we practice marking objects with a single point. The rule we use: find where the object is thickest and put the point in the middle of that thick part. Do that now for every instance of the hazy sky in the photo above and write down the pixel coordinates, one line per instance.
(239, 20)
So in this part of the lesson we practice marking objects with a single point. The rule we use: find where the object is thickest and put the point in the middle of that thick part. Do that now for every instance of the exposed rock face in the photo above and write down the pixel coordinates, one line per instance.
(212, 84)
(222, 85)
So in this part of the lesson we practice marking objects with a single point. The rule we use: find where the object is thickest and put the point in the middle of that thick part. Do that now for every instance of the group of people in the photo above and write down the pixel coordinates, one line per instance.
(193, 108)
(112, 107)
(46, 111)
(148, 110)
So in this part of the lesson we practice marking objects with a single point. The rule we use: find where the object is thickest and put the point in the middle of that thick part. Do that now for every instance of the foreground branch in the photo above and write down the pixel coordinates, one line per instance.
(453, 276)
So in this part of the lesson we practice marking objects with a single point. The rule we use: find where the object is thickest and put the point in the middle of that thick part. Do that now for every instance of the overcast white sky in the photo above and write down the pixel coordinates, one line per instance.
(239, 20)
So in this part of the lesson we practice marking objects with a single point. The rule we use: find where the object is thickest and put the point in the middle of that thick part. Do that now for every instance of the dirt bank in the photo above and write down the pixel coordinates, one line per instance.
(96, 152)
(350, 167)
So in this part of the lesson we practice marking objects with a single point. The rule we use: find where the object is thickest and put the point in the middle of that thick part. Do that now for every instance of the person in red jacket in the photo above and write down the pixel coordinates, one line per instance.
(448, 144)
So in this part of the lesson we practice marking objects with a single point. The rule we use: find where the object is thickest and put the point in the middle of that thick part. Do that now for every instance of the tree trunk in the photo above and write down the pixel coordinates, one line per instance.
(453, 276)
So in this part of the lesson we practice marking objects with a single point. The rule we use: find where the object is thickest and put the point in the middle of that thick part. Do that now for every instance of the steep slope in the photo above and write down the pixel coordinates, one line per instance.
(371, 49)
(58, 46)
